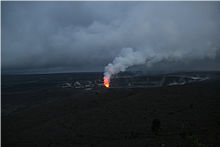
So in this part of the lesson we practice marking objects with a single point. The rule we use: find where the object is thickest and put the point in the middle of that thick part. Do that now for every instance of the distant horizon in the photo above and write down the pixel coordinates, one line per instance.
(73, 72)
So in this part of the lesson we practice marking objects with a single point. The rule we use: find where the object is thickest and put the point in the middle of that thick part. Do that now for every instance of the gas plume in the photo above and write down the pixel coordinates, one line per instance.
(127, 58)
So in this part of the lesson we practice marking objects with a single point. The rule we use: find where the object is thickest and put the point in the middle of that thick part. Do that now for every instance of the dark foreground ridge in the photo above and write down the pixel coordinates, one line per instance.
(180, 115)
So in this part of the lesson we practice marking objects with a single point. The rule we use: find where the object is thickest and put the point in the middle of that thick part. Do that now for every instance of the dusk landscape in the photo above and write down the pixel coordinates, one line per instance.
(110, 73)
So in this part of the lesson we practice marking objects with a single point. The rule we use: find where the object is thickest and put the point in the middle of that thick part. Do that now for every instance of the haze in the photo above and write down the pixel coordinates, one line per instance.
(39, 37)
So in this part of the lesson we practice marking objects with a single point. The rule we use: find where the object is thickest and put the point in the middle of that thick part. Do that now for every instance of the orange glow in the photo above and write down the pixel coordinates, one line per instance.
(106, 82)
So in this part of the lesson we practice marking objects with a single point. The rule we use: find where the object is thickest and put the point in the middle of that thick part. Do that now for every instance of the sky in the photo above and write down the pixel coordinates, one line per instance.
(39, 37)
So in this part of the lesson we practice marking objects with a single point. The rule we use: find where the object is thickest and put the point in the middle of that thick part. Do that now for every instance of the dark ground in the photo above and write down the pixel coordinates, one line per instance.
(189, 115)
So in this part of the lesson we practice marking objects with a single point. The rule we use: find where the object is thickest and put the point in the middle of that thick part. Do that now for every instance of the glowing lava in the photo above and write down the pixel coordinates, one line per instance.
(106, 82)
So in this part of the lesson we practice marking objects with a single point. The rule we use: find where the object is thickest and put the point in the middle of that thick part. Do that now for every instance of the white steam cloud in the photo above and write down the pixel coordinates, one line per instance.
(175, 33)
(127, 58)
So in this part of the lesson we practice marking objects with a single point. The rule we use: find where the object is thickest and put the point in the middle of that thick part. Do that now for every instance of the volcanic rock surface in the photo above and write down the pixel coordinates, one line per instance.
(187, 114)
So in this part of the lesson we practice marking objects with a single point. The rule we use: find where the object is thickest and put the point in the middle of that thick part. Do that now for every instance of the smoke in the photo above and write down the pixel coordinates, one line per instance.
(127, 58)
(175, 34)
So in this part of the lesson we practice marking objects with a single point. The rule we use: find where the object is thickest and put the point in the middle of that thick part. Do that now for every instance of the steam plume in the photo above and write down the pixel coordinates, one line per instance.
(127, 58)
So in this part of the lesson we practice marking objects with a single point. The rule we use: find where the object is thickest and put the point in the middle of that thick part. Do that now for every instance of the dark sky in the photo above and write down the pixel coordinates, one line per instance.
(86, 36)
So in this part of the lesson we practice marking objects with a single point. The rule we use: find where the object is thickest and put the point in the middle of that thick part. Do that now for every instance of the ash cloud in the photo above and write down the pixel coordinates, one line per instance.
(87, 36)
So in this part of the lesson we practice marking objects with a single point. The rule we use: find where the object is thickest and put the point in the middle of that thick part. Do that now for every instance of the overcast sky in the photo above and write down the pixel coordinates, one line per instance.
(86, 36)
